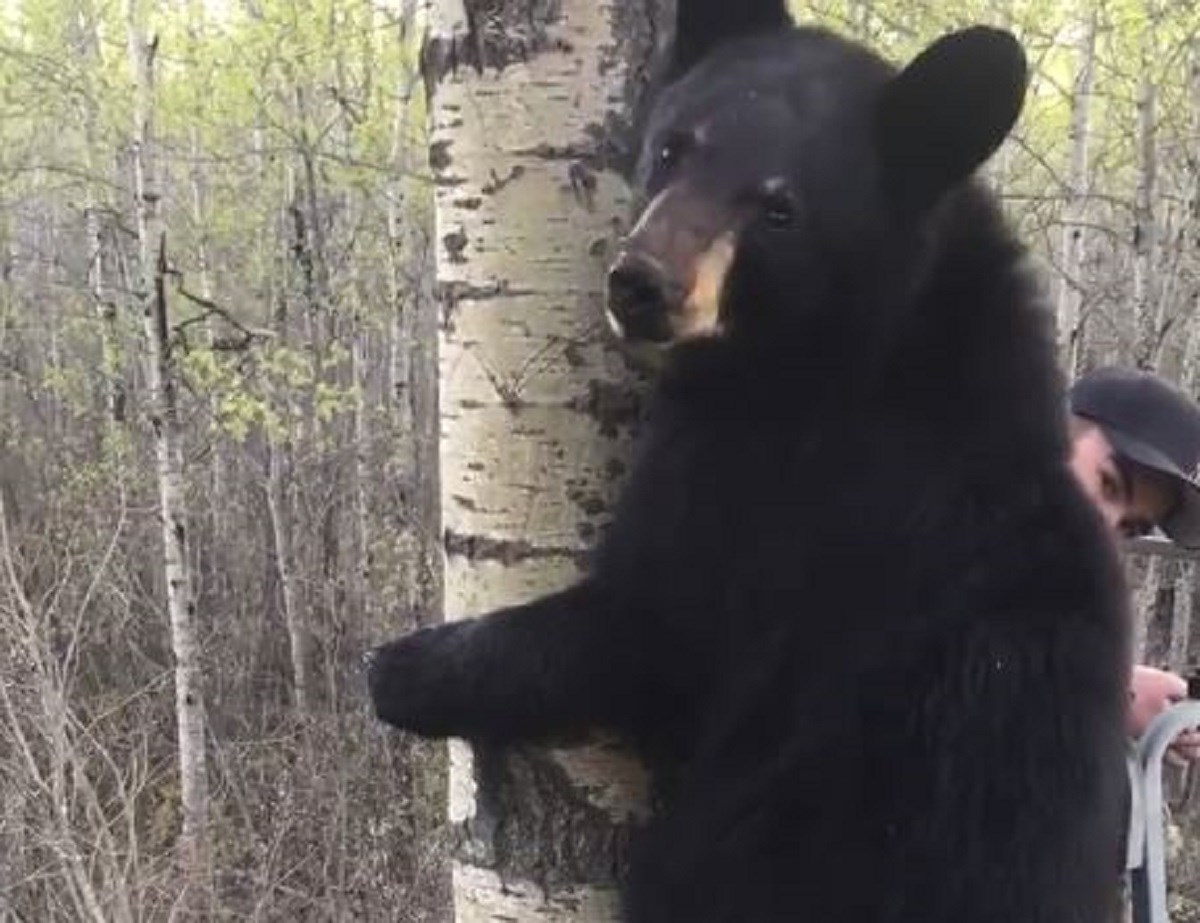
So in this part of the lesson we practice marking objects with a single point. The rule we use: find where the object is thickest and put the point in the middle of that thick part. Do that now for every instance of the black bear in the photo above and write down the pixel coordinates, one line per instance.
(851, 593)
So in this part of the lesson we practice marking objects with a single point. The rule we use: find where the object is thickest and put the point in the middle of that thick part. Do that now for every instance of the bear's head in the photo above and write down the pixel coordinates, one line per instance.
(789, 181)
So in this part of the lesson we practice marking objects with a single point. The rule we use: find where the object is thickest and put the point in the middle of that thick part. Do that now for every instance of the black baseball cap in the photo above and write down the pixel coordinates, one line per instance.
(1154, 424)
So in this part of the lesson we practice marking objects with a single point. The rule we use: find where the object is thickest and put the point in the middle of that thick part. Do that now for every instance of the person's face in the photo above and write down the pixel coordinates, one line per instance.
(1131, 499)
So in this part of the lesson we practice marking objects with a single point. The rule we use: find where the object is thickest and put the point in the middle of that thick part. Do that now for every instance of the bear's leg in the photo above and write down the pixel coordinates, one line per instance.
(547, 668)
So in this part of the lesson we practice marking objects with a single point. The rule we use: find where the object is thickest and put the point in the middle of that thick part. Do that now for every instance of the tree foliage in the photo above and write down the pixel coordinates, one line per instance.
(296, 202)
(284, 138)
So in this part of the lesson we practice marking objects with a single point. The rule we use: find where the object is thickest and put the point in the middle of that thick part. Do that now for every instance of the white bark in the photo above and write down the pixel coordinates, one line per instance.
(161, 382)
(862, 12)
(281, 509)
(1145, 602)
(217, 463)
(363, 440)
(106, 313)
(1181, 621)
(399, 236)
(364, 435)
(530, 457)
(279, 506)
(102, 297)
(1074, 238)
(1000, 167)
(412, 335)
(1145, 232)
(1190, 371)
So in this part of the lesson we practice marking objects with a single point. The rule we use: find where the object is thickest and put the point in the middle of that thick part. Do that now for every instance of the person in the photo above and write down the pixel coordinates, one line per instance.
(1135, 450)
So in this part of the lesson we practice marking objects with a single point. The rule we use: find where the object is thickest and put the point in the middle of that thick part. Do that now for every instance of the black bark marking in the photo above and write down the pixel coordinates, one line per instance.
(534, 824)
(508, 552)
(499, 33)
(456, 243)
(499, 182)
(439, 156)
(450, 294)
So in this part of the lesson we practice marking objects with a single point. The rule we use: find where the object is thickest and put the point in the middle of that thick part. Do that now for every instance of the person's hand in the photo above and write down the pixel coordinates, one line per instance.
(1152, 693)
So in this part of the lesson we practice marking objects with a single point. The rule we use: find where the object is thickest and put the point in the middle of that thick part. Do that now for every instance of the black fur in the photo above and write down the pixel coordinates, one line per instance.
(699, 27)
(851, 591)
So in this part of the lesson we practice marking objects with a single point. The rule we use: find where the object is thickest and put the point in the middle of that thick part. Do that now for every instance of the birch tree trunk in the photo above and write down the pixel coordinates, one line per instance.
(999, 171)
(161, 381)
(1074, 241)
(400, 288)
(1147, 318)
(535, 408)
(217, 465)
(412, 332)
(279, 507)
(363, 448)
(1190, 370)
(1145, 231)
(1189, 373)
(85, 40)
(280, 478)
(861, 14)
(111, 366)
(106, 312)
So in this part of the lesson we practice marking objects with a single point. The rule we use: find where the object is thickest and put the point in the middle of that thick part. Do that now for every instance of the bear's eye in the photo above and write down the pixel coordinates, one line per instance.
(671, 151)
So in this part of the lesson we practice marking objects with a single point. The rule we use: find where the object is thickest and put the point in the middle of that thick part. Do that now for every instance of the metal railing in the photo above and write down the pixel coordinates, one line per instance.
(1146, 856)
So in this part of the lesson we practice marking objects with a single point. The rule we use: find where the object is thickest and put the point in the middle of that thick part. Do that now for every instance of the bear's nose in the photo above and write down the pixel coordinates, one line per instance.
(639, 297)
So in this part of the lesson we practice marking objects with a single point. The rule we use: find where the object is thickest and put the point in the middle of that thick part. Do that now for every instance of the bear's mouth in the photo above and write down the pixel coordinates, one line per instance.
(648, 304)
(641, 299)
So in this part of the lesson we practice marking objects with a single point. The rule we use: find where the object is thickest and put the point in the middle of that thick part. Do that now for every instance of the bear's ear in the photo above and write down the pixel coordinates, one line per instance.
(947, 112)
(700, 25)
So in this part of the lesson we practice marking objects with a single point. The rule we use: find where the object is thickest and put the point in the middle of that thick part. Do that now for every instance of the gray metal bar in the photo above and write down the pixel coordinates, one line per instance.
(1160, 546)
(1135, 841)
(1147, 848)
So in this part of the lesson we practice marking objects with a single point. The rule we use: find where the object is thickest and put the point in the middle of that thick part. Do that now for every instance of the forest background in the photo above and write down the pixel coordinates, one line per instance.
(223, 281)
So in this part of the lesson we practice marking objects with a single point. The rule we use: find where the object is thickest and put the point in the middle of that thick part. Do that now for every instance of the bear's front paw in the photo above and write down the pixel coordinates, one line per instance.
(412, 680)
